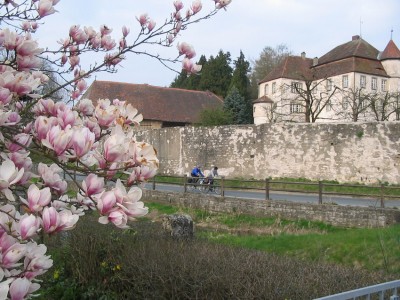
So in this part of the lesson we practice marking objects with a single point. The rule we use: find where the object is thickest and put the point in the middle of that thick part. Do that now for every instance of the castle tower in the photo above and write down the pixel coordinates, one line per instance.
(390, 58)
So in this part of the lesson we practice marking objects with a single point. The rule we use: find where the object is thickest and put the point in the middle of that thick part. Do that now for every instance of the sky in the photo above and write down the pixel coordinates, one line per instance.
(312, 26)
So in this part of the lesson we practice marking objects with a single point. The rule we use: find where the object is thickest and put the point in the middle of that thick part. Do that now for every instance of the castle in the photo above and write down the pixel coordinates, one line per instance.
(352, 82)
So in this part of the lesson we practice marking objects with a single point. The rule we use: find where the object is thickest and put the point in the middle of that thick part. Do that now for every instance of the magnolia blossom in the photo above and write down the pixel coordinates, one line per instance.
(37, 199)
(93, 185)
(9, 175)
(29, 225)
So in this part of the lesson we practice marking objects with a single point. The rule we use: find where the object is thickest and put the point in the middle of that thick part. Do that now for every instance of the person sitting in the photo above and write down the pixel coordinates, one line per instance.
(210, 177)
(196, 173)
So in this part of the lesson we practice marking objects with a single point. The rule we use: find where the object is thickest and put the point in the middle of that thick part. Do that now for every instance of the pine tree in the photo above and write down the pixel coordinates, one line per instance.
(237, 105)
(216, 75)
(239, 78)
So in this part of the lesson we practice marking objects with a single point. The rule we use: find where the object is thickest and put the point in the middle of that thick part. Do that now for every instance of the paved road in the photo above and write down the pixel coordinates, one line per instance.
(295, 197)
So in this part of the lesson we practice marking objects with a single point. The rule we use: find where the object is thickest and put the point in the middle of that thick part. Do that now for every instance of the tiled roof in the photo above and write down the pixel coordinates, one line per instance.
(355, 48)
(391, 51)
(348, 65)
(156, 103)
(292, 67)
(263, 99)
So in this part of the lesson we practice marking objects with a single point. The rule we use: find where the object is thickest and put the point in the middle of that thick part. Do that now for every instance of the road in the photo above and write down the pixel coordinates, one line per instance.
(294, 197)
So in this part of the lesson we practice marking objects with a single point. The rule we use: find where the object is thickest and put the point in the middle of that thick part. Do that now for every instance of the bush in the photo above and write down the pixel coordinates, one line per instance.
(145, 264)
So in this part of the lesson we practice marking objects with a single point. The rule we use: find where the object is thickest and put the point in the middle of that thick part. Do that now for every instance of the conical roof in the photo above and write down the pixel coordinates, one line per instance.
(391, 51)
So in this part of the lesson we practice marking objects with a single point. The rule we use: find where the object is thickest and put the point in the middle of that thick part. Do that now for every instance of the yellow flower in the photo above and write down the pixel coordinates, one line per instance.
(56, 274)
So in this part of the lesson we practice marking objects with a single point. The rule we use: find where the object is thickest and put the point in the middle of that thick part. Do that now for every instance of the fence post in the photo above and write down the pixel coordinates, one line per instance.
(222, 186)
(382, 196)
(185, 183)
(266, 188)
(320, 192)
(154, 183)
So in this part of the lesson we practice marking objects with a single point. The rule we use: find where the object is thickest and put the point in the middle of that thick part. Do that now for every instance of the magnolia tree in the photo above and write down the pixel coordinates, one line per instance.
(94, 138)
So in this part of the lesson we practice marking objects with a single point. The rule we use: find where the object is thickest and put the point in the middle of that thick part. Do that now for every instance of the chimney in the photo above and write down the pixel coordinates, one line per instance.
(355, 37)
(315, 61)
(303, 55)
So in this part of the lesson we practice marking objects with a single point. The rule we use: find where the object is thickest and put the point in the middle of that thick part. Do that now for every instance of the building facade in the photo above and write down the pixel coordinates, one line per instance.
(352, 82)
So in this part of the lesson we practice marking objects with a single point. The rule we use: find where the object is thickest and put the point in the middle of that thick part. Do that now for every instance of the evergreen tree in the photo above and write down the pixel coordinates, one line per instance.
(216, 75)
(239, 78)
(237, 105)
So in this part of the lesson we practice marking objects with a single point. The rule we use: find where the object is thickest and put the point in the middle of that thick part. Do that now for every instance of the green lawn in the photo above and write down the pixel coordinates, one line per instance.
(376, 249)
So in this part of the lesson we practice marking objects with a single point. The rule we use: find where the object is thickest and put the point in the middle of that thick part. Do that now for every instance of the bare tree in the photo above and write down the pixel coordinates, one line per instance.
(384, 105)
(355, 104)
(311, 101)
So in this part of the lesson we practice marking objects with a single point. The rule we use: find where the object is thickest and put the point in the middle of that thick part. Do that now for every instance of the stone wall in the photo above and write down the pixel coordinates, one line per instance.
(343, 216)
(346, 152)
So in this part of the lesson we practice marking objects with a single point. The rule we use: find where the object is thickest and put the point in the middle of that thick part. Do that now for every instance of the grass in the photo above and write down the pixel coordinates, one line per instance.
(298, 185)
(374, 249)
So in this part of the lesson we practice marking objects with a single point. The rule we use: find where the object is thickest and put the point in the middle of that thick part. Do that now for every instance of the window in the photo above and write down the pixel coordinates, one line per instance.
(295, 108)
(266, 89)
(296, 87)
(274, 88)
(329, 105)
(329, 85)
(345, 103)
(383, 85)
(374, 83)
(314, 88)
(345, 81)
(363, 81)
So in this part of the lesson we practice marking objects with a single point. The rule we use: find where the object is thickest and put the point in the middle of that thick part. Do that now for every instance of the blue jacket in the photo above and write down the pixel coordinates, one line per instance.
(196, 172)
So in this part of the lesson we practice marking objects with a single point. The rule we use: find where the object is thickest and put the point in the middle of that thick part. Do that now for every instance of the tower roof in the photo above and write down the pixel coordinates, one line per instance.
(391, 51)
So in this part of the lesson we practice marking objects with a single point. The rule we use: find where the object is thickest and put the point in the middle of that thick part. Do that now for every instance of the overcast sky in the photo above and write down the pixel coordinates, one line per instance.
(312, 26)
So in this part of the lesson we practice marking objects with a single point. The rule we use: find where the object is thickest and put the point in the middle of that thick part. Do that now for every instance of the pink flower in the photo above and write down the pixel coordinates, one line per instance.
(42, 126)
(142, 19)
(178, 5)
(85, 106)
(51, 178)
(74, 61)
(65, 117)
(20, 288)
(29, 225)
(196, 6)
(58, 139)
(46, 8)
(104, 30)
(82, 141)
(93, 185)
(9, 175)
(37, 199)
(5, 95)
(106, 202)
(125, 31)
(13, 255)
(186, 49)
(36, 262)
(117, 217)
(115, 145)
(151, 24)
(51, 219)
